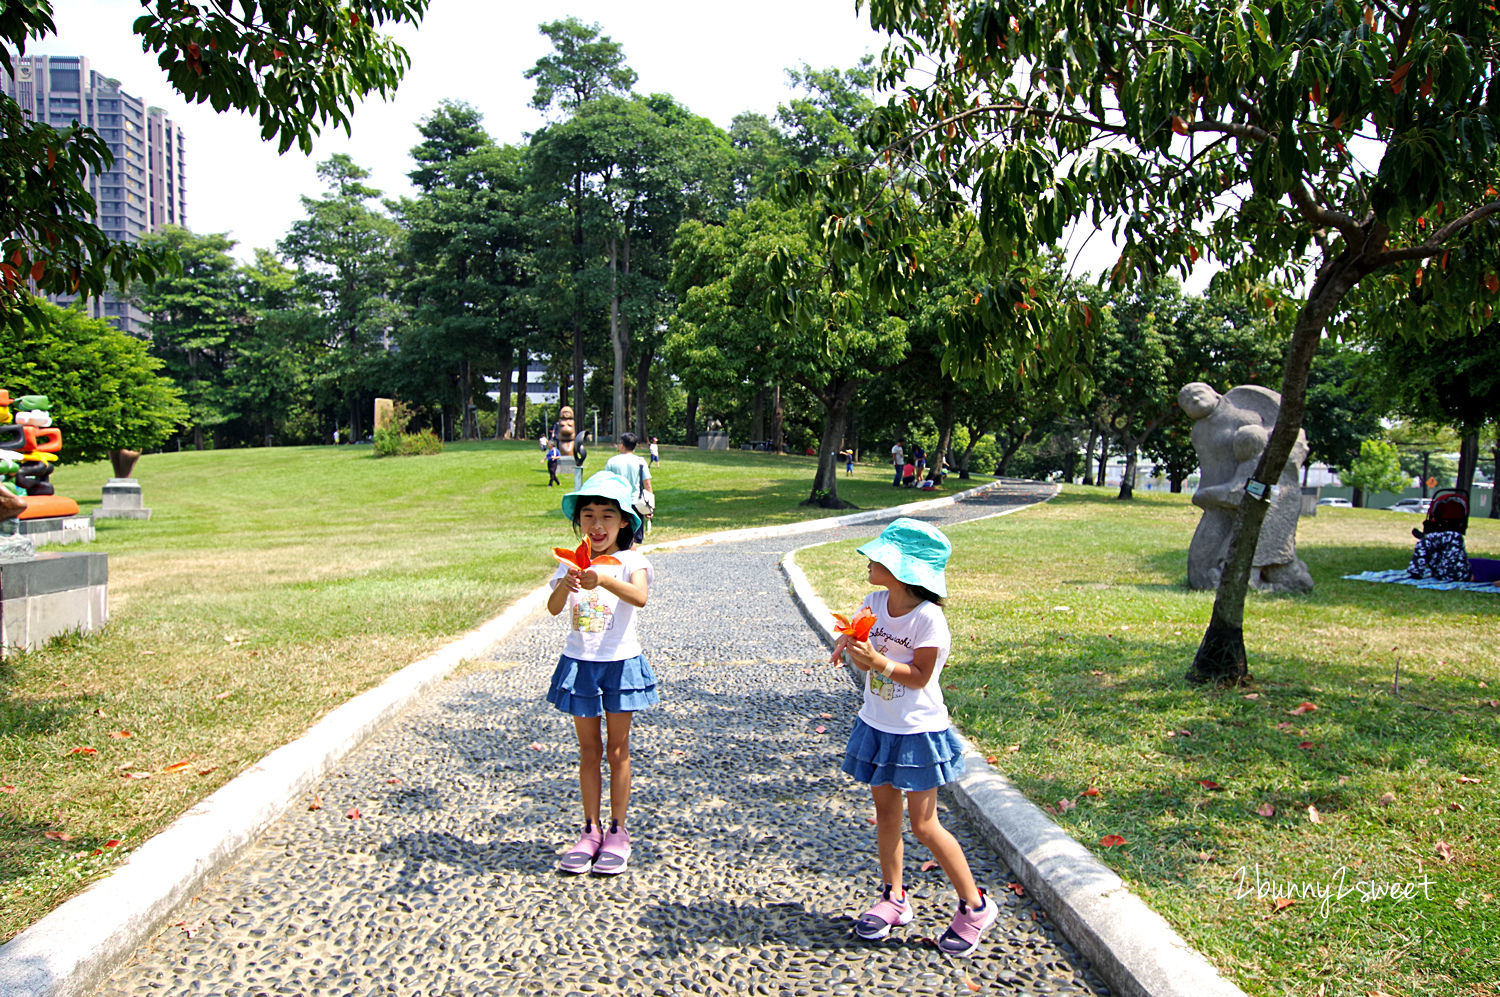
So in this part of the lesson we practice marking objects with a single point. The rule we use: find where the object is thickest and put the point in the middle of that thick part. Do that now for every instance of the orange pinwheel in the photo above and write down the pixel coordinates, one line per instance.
(580, 558)
(859, 627)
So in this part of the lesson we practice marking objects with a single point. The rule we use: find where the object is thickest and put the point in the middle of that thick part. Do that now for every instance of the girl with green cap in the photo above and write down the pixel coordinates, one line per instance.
(602, 672)
(902, 744)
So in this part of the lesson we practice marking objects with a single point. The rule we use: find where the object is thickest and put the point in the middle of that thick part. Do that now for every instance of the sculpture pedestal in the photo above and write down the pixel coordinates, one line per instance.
(50, 594)
(56, 529)
(122, 500)
(713, 441)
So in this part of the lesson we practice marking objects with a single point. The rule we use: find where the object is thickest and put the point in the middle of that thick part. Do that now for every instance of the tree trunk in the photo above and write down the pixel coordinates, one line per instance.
(691, 418)
(1127, 479)
(523, 382)
(1221, 655)
(642, 376)
(1088, 456)
(825, 489)
(1468, 457)
(1358, 498)
(618, 346)
(945, 434)
(1103, 460)
(778, 420)
(468, 429)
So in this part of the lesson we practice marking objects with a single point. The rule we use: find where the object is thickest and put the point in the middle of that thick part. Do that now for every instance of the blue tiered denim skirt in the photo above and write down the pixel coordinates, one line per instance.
(593, 688)
(910, 762)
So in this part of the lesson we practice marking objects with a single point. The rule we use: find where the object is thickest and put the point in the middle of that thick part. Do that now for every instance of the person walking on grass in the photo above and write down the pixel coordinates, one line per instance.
(554, 455)
(898, 460)
(602, 674)
(655, 452)
(637, 472)
(902, 744)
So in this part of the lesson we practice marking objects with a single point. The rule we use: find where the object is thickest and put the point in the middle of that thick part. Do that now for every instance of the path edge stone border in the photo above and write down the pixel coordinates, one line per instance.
(71, 950)
(1131, 947)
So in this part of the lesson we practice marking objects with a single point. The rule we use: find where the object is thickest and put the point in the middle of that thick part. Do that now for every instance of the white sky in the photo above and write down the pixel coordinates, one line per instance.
(716, 59)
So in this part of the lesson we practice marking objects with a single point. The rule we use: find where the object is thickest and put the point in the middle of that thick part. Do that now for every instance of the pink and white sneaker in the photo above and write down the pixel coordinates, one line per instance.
(888, 912)
(614, 855)
(580, 858)
(962, 936)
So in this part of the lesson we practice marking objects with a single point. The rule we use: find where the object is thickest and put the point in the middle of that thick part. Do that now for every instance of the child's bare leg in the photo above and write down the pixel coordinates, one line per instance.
(618, 725)
(944, 847)
(888, 836)
(590, 757)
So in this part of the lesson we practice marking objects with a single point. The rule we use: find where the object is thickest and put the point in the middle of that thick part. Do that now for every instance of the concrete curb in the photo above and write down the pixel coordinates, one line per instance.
(1132, 947)
(71, 950)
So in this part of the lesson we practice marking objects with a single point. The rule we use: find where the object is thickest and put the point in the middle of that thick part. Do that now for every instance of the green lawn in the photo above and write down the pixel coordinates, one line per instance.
(1073, 628)
(270, 586)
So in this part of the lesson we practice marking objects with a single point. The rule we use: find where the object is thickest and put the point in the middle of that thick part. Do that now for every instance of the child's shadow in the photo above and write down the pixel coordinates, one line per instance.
(686, 928)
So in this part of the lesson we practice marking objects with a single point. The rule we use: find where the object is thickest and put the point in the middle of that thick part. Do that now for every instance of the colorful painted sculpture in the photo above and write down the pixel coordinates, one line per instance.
(29, 445)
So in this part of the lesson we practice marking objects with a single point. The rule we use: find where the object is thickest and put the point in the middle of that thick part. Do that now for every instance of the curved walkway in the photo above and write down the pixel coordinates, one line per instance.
(753, 851)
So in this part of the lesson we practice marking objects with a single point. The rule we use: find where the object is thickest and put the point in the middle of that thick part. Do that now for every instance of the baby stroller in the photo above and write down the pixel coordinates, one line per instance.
(1447, 512)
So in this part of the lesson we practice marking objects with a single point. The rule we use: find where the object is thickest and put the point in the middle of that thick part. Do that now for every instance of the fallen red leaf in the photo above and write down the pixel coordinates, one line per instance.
(83, 751)
(1303, 708)
(1443, 851)
(1462, 778)
(1211, 785)
(1266, 810)
(112, 843)
(1064, 805)
(820, 729)
(7, 788)
(57, 836)
(825, 716)
(316, 803)
(393, 782)
(120, 734)
(206, 771)
(1017, 889)
(1306, 745)
(534, 746)
(176, 767)
(859, 627)
(930, 865)
(354, 813)
(1281, 904)
(971, 984)
(991, 759)
(1313, 815)
(1111, 840)
(1091, 791)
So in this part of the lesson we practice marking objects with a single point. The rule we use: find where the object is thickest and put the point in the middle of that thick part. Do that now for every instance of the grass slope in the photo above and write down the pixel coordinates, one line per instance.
(1073, 628)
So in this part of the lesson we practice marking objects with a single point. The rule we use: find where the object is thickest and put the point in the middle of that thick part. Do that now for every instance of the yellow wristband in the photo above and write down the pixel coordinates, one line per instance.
(890, 667)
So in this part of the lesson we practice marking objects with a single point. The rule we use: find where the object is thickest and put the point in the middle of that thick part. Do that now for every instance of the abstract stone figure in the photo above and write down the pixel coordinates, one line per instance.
(1229, 433)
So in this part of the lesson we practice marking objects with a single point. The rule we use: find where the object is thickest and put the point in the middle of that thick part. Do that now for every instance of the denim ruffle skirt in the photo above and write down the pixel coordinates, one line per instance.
(910, 762)
(593, 688)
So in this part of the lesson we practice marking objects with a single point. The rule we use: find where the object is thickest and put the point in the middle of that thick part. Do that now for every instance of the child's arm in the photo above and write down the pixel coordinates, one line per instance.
(915, 675)
(634, 591)
(568, 583)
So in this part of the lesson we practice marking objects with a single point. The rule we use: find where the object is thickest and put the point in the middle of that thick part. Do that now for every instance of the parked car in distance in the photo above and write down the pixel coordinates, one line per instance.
(1337, 503)
(1410, 505)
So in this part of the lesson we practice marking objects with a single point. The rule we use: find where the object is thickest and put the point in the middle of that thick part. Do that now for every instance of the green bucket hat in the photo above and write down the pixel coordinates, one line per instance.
(605, 484)
(915, 552)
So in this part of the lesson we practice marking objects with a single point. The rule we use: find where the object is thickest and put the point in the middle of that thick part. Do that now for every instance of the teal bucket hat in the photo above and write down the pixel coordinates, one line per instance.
(915, 552)
(605, 484)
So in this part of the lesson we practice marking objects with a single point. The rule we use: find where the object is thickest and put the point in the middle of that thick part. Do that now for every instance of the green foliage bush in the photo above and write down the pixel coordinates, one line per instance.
(392, 440)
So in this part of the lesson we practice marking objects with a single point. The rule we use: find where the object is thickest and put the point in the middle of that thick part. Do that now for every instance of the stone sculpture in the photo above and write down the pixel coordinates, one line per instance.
(1229, 434)
(565, 430)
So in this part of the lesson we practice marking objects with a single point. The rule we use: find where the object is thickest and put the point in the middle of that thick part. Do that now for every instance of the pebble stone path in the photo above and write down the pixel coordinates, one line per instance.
(753, 852)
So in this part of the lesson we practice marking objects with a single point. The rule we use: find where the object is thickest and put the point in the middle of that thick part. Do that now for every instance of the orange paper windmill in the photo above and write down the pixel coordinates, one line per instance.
(580, 558)
(859, 627)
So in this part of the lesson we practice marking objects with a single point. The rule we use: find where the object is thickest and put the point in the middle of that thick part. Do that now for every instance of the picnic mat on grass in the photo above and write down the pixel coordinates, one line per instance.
(1400, 577)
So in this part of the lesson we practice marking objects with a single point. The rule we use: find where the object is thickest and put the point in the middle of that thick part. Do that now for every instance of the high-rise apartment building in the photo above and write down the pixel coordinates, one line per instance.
(144, 189)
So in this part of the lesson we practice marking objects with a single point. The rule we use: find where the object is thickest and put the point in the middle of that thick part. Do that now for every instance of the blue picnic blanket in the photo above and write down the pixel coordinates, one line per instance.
(1400, 577)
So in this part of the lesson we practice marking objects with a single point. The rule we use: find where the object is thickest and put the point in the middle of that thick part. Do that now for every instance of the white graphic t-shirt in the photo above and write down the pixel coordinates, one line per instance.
(890, 706)
(603, 627)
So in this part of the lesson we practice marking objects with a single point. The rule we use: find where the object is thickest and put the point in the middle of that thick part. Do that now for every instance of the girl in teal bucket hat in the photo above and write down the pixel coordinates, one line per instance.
(602, 672)
(902, 744)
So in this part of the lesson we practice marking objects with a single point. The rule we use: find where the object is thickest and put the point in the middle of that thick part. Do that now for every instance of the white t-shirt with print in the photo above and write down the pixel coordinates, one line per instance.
(603, 627)
(898, 456)
(890, 706)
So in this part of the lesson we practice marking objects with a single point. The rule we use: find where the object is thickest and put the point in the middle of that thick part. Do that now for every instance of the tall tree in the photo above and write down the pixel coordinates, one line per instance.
(1318, 143)
(194, 315)
(346, 252)
(296, 65)
(583, 65)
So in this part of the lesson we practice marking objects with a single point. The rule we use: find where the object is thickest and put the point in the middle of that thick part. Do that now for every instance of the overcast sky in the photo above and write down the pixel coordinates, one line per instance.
(717, 59)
